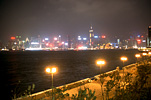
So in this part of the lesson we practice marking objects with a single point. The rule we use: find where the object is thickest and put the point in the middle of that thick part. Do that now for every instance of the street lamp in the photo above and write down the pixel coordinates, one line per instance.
(123, 59)
(149, 53)
(100, 63)
(137, 56)
(51, 70)
(144, 54)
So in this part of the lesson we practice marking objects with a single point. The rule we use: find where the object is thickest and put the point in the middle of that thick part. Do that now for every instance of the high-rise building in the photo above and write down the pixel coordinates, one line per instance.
(149, 37)
(91, 36)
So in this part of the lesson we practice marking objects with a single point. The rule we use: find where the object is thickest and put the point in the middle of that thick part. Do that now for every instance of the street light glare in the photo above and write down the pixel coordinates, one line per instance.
(53, 70)
(50, 70)
(137, 55)
(149, 53)
(144, 54)
(124, 58)
(100, 62)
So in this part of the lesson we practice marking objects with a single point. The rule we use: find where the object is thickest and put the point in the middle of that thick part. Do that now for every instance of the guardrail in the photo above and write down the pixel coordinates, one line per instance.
(69, 86)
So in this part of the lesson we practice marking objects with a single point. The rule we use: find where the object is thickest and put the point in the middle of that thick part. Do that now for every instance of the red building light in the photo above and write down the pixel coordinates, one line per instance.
(138, 41)
(103, 36)
(12, 38)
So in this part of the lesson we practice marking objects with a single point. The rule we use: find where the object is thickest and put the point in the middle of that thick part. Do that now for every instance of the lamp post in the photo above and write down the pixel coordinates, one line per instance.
(100, 63)
(149, 53)
(51, 70)
(144, 55)
(123, 59)
(137, 56)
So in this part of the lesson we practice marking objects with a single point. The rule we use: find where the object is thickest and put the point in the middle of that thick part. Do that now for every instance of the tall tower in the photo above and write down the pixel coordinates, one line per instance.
(91, 36)
(149, 37)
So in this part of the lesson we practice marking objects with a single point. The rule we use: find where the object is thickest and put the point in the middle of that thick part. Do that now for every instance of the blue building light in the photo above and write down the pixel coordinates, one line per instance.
(84, 38)
(79, 38)
(46, 38)
(95, 37)
(138, 35)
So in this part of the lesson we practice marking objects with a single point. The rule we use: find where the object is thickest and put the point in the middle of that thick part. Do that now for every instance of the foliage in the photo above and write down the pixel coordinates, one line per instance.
(84, 94)
(137, 89)
(18, 93)
(58, 93)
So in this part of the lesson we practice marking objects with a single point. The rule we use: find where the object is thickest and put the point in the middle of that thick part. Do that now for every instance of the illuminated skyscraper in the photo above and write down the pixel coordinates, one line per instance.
(91, 36)
(149, 37)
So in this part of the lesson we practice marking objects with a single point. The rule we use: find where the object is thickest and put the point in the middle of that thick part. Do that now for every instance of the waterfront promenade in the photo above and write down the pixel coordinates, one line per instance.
(96, 85)
(93, 84)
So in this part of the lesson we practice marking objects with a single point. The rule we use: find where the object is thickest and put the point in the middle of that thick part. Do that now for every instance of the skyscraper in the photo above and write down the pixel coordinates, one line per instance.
(149, 37)
(91, 36)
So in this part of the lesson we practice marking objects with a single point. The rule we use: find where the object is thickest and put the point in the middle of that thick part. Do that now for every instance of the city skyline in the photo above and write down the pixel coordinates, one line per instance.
(68, 17)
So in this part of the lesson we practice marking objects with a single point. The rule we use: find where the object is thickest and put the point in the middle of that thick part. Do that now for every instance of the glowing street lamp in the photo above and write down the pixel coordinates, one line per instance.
(124, 59)
(51, 70)
(100, 63)
(137, 56)
(144, 54)
(149, 53)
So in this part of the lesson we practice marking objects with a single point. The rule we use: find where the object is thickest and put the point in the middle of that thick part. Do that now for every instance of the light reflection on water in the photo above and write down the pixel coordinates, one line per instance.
(29, 67)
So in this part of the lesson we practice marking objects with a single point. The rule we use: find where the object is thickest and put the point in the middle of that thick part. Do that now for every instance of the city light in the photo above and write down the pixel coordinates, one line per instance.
(47, 44)
(47, 39)
(143, 40)
(62, 42)
(138, 35)
(103, 36)
(34, 42)
(84, 43)
(84, 38)
(96, 37)
(79, 37)
(23, 41)
(12, 38)
(66, 44)
(55, 39)
(82, 47)
(138, 41)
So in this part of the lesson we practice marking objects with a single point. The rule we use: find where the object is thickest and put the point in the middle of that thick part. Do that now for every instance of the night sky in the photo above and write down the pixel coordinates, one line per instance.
(120, 18)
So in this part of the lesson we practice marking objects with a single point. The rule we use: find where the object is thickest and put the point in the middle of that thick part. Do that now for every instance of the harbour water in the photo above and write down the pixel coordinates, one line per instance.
(19, 69)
